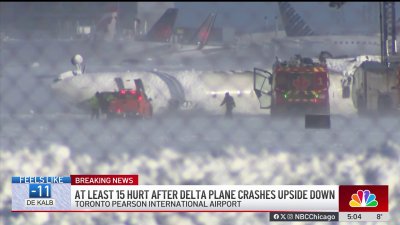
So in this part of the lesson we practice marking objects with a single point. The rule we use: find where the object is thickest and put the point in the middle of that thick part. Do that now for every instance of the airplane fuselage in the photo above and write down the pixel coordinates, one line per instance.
(195, 90)
(337, 46)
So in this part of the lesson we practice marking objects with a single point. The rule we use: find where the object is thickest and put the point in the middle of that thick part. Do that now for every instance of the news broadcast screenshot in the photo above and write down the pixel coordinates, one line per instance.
(199, 113)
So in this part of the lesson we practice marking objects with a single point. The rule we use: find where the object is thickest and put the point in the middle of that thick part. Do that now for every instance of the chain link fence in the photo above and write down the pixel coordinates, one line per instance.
(43, 131)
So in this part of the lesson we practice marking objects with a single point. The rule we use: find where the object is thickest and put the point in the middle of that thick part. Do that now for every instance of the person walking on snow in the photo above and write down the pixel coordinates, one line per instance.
(95, 106)
(230, 104)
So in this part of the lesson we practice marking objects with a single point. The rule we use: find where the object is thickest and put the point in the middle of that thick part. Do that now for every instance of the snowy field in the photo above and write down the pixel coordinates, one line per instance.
(232, 164)
(40, 135)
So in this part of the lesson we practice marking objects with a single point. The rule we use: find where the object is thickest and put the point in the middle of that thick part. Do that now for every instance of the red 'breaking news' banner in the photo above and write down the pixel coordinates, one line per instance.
(104, 179)
(363, 198)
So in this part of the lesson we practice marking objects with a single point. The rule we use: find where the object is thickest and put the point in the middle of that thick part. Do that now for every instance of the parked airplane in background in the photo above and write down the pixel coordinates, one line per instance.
(157, 52)
(160, 32)
(301, 39)
(293, 24)
(200, 38)
(163, 29)
(332, 46)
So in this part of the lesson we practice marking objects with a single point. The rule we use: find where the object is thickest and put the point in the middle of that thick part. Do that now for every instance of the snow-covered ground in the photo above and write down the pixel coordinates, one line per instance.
(40, 135)
(232, 165)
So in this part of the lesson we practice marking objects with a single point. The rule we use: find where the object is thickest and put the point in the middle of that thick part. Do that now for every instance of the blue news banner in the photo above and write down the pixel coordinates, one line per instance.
(41, 193)
(285, 203)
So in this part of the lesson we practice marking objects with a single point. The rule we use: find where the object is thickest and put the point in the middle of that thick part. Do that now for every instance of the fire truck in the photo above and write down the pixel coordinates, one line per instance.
(129, 103)
(297, 87)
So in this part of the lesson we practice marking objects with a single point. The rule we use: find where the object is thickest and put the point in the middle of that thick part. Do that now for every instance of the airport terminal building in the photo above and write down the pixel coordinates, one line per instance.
(61, 19)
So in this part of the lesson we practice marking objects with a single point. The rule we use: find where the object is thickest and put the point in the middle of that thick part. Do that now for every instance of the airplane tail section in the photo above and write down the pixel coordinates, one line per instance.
(163, 28)
(203, 33)
(293, 24)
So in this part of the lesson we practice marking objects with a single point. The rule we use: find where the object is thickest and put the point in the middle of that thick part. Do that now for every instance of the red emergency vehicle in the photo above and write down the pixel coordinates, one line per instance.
(131, 103)
(300, 86)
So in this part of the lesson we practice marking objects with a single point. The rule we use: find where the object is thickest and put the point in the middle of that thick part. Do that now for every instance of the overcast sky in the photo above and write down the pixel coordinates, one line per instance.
(249, 16)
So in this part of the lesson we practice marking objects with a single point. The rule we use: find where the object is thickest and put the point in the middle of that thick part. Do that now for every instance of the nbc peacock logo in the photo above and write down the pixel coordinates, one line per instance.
(363, 199)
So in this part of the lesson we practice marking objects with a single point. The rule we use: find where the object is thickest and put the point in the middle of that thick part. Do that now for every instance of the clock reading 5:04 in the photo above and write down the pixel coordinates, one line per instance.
(354, 216)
